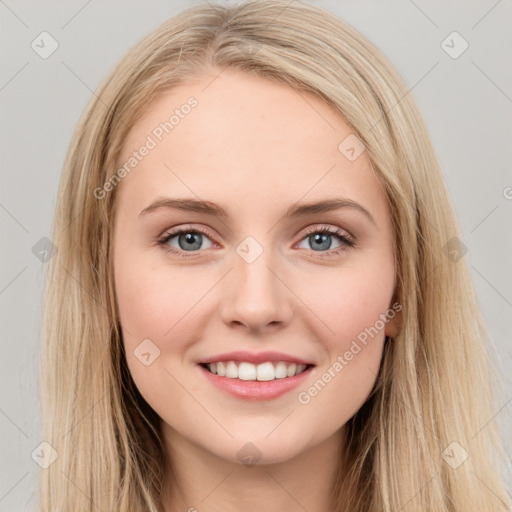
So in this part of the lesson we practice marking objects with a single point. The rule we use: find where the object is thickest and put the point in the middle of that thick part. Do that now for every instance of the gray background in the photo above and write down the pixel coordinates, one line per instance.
(466, 102)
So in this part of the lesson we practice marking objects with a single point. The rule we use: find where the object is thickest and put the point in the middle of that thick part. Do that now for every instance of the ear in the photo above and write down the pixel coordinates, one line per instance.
(394, 325)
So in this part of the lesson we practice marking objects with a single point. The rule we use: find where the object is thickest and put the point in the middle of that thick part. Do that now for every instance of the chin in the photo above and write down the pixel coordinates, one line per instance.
(258, 451)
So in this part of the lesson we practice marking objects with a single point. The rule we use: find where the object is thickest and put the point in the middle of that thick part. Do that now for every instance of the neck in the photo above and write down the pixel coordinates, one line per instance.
(200, 480)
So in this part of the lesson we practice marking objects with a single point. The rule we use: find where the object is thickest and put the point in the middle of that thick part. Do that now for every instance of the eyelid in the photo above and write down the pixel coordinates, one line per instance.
(172, 232)
(347, 239)
(307, 231)
(333, 230)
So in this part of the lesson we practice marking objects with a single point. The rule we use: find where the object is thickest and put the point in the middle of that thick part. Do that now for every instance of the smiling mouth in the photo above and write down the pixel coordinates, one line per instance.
(245, 371)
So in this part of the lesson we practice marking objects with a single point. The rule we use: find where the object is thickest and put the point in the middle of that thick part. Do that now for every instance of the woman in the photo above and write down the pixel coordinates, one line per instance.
(258, 299)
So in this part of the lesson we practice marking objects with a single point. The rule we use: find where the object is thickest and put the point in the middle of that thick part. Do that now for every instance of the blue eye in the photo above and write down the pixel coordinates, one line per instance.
(320, 240)
(190, 241)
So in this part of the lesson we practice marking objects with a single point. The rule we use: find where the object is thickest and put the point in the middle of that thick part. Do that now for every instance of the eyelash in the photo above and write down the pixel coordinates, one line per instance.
(342, 236)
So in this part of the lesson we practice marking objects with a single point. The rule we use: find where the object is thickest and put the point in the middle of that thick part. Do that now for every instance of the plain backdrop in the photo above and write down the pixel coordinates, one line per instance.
(466, 102)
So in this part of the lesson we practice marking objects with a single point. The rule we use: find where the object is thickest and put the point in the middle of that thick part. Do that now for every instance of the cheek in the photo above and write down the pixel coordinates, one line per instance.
(154, 305)
(352, 305)
(342, 385)
(352, 302)
(153, 302)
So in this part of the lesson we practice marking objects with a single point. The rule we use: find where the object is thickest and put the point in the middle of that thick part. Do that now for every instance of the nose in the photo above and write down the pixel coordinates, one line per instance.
(255, 295)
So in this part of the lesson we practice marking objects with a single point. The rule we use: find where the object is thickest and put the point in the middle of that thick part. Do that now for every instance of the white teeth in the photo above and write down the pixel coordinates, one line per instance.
(290, 371)
(281, 370)
(261, 372)
(232, 370)
(264, 371)
(246, 371)
(221, 369)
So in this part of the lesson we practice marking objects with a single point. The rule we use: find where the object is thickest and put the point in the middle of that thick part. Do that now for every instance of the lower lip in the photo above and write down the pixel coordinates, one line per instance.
(254, 389)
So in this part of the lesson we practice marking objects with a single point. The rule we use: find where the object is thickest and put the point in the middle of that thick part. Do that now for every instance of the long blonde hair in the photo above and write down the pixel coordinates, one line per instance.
(433, 401)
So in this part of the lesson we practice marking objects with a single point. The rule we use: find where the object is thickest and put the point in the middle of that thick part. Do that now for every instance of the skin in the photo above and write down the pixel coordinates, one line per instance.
(255, 147)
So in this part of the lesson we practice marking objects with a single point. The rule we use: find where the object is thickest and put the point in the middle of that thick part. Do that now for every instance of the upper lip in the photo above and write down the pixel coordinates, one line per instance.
(255, 357)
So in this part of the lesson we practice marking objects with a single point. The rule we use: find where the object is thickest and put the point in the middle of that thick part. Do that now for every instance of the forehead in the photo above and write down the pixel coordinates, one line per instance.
(245, 139)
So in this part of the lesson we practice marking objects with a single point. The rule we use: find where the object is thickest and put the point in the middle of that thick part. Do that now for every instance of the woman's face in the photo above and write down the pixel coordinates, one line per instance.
(258, 278)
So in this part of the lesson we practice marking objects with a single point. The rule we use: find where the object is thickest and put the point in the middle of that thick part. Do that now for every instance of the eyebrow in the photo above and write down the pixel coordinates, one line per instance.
(296, 210)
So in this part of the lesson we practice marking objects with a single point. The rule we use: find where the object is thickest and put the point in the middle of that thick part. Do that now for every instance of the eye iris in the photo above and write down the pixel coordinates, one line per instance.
(321, 238)
(193, 241)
